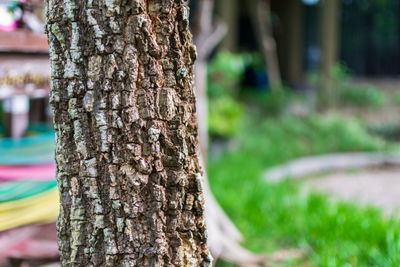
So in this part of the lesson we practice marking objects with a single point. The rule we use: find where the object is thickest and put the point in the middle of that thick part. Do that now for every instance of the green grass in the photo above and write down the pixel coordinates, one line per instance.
(362, 96)
(276, 216)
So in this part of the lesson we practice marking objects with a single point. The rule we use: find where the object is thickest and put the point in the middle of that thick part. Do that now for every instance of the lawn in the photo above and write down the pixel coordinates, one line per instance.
(278, 216)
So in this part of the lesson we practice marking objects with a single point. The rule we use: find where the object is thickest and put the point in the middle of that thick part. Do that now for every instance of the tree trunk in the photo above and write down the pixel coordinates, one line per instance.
(206, 37)
(126, 134)
(224, 236)
(262, 22)
(329, 34)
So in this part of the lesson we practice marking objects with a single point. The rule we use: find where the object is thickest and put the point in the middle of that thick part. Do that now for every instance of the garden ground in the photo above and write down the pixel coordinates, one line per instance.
(275, 217)
(373, 187)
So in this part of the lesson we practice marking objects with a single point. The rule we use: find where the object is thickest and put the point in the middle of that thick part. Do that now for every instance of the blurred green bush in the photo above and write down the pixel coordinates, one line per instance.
(342, 92)
(225, 117)
(362, 96)
(226, 92)
(271, 103)
(225, 113)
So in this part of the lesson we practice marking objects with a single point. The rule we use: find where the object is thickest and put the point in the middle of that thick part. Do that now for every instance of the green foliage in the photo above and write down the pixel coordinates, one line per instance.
(225, 116)
(272, 103)
(275, 101)
(362, 96)
(389, 131)
(276, 216)
(225, 72)
(289, 137)
(340, 73)
(397, 98)
(342, 92)
(357, 95)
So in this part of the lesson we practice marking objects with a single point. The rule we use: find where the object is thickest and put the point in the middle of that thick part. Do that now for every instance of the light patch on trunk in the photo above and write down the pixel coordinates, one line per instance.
(189, 251)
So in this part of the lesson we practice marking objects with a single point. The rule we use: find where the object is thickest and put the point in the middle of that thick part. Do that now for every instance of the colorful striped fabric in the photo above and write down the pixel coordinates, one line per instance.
(10, 191)
(32, 150)
(41, 208)
(42, 172)
(29, 197)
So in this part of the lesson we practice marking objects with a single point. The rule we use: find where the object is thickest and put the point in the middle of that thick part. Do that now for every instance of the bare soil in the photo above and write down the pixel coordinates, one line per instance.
(373, 187)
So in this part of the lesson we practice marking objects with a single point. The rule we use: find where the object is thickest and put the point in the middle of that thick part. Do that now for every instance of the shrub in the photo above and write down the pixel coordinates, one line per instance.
(363, 96)
(225, 116)
(225, 72)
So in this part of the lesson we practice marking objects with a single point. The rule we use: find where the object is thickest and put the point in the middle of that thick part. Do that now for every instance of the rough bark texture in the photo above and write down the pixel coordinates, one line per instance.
(126, 145)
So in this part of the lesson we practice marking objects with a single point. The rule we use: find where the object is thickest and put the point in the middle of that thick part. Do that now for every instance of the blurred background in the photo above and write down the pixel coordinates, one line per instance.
(298, 107)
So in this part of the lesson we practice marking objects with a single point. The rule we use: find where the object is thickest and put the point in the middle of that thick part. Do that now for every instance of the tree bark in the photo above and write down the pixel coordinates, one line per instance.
(126, 134)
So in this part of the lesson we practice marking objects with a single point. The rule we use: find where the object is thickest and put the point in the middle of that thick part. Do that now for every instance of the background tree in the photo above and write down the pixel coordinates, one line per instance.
(264, 34)
(126, 146)
(224, 238)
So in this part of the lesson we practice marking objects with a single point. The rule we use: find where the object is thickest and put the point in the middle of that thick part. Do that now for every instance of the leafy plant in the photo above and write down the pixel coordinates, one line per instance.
(225, 116)
(340, 73)
(273, 102)
(343, 91)
(225, 72)
(363, 96)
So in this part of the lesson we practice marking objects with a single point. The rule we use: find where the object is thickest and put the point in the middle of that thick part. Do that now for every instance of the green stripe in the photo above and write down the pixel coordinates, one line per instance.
(10, 191)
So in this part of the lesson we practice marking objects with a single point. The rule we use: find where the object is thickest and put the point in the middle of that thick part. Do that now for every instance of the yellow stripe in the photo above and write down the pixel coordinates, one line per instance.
(41, 208)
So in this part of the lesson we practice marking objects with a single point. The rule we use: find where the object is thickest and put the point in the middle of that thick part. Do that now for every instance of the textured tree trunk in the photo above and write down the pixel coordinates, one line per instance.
(126, 145)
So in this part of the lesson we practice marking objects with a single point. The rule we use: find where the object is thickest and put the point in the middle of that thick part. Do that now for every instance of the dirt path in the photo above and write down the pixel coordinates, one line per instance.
(376, 187)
